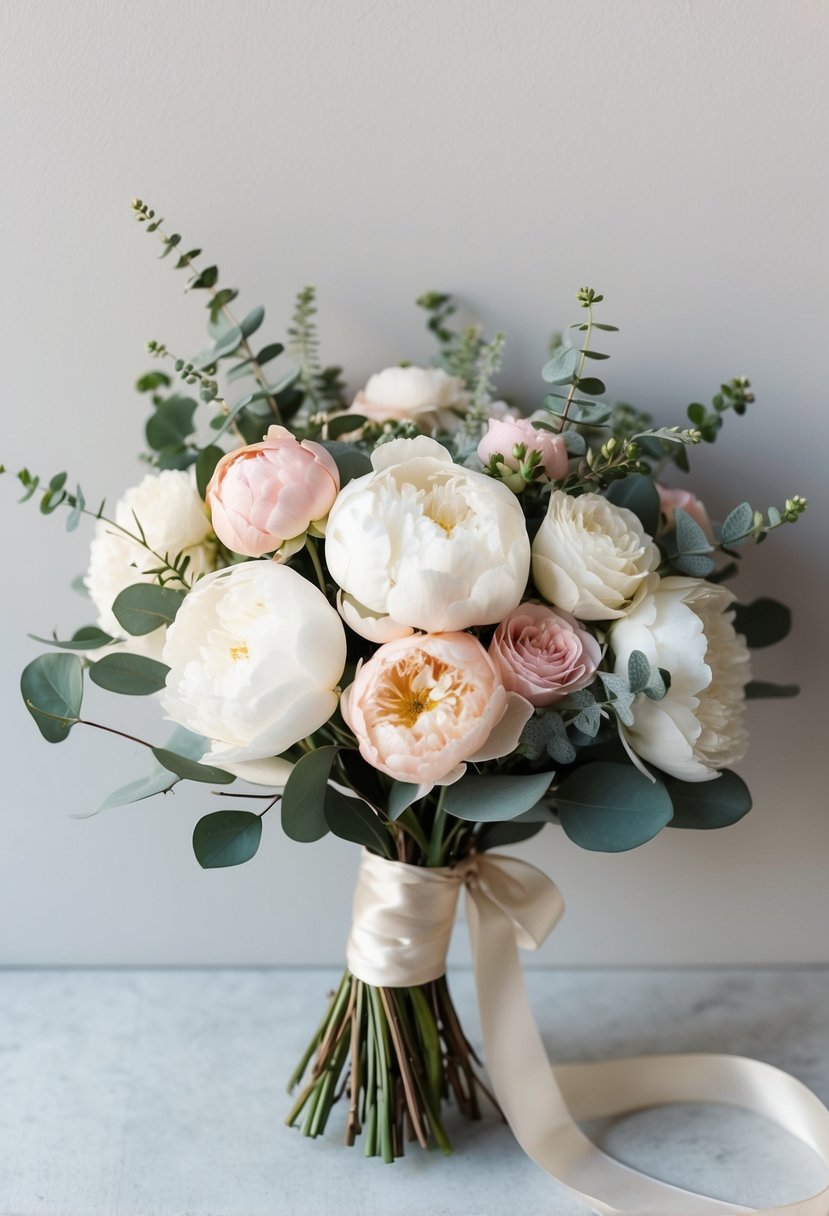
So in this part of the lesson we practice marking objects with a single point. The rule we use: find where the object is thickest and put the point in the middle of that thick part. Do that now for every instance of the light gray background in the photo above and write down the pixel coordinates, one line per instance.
(672, 155)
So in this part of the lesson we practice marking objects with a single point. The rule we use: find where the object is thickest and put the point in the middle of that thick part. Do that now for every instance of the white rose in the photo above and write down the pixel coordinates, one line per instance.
(168, 507)
(428, 396)
(422, 543)
(592, 558)
(255, 656)
(686, 626)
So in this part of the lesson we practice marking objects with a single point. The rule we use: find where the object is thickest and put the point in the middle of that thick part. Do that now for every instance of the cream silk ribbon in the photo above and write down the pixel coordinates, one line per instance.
(403, 918)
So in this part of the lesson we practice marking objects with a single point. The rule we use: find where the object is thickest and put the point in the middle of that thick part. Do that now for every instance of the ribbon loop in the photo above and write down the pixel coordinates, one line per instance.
(403, 919)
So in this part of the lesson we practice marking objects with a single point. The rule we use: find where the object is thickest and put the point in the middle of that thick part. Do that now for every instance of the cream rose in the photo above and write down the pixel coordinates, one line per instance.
(168, 508)
(687, 626)
(592, 558)
(422, 543)
(427, 396)
(255, 656)
(423, 706)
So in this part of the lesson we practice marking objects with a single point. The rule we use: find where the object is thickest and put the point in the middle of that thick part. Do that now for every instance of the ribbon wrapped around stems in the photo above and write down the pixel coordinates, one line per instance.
(403, 917)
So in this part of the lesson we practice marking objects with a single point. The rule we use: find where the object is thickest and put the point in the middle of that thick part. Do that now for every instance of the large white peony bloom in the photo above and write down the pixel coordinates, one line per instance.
(592, 558)
(255, 656)
(427, 396)
(422, 543)
(686, 626)
(168, 507)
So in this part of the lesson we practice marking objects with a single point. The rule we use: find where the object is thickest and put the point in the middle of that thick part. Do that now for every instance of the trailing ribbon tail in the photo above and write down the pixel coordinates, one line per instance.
(511, 903)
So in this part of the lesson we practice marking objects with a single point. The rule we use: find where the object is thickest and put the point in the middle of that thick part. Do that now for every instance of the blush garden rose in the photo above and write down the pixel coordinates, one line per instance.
(543, 654)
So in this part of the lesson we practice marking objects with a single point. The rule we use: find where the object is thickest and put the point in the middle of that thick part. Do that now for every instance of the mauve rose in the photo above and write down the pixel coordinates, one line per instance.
(670, 499)
(422, 706)
(543, 653)
(267, 493)
(503, 434)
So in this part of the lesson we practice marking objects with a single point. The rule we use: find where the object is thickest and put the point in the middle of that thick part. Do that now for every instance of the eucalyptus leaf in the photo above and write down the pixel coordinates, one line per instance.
(402, 795)
(171, 423)
(638, 494)
(759, 689)
(697, 565)
(191, 770)
(52, 689)
(511, 831)
(145, 607)
(709, 804)
(490, 799)
(89, 637)
(737, 524)
(353, 820)
(206, 463)
(303, 799)
(132, 675)
(562, 367)
(344, 424)
(690, 538)
(349, 460)
(592, 386)
(611, 808)
(252, 321)
(226, 838)
(228, 344)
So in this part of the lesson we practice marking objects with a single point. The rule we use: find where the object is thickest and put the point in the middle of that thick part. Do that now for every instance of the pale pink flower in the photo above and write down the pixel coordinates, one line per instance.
(267, 493)
(544, 654)
(422, 706)
(504, 434)
(670, 499)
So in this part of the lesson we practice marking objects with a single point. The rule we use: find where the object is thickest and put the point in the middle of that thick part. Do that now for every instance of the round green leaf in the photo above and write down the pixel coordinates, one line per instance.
(709, 804)
(303, 799)
(52, 688)
(490, 799)
(144, 607)
(132, 675)
(354, 820)
(639, 495)
(610, 808)
(206, 463)
(88, 637)
(171, 423)
(226, 838)
(350, 462)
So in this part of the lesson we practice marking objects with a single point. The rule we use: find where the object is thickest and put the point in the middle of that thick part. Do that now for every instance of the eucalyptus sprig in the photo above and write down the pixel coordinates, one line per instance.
(572, 399)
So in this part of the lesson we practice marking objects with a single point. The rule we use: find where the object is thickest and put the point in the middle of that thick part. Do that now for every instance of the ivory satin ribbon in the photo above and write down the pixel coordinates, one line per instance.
(403, 917)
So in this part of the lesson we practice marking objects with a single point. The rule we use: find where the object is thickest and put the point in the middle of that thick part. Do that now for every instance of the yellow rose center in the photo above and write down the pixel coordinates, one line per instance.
(238, 652)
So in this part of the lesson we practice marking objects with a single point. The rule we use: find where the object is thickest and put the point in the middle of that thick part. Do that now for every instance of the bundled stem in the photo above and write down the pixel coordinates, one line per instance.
(398, 1054)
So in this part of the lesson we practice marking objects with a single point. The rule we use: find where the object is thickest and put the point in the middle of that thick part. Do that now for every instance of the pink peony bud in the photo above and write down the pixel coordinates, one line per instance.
(543, 653)
(270, 492)
(670, 499)
(504, 434)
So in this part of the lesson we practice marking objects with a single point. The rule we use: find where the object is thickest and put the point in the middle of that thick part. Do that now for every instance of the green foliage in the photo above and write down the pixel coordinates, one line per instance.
(638, 494)
(692, 546)
(439, 307)
(131, 675)
(736, 396)
(611, 808)
(144, 607)
(88, 637)
(708, 804)
(654, 682)
(226, 838)
(402, 795)
(353, 820)
(489, 799)
(190, 769)
(206, 463)
(546, 735)
(620, 694)
(511, 831)
(762, 689)
(52, 690)
(763, 622)
(350, 461)
(305, 794)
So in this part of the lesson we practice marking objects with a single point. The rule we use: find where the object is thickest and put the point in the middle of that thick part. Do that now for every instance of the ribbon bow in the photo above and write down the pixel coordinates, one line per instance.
(403, 917)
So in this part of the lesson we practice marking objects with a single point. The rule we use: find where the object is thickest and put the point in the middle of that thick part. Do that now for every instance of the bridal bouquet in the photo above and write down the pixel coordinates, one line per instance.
(427, 621)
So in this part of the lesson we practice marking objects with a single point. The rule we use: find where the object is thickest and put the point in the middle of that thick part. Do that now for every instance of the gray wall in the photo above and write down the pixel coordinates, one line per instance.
(672, 155)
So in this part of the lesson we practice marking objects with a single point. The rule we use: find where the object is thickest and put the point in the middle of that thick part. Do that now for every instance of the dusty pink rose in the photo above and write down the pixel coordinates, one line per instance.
(670, 499)
(271, 492)
(543, 653)
(503, 434)
(422, 706)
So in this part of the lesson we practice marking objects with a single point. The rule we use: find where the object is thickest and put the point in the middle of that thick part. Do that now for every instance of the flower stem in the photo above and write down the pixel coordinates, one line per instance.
(433, 857)
(585, 346)
(311, 546)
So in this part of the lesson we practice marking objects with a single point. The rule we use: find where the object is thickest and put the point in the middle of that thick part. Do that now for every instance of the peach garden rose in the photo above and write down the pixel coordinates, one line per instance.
(424, 705)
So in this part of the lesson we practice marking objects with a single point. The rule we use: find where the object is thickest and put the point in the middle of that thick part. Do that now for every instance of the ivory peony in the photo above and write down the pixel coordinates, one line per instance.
(255, 656)
(592, 558)
(422, 543)
(269, 493)
(168, 508)
(686, 626)
(427, 396)
(422, 706)
(543, 654)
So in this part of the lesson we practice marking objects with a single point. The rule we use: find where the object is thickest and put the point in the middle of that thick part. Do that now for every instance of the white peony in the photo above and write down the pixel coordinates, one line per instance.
(427, 396)
(686, 626)
(168, 507)
(592, 558)
(422, 543)
(255, 656)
